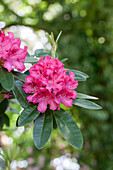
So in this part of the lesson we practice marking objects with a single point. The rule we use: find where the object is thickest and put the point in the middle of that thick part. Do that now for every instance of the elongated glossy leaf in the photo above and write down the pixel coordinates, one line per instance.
(44, 54)
(58, 36)
(42, 129)
(19, 75)
(28, 115)
(80, 76)
(85, 96)
(4, 119)
(79, 72)
(69, 129)
(41, 52)
(2, 163)
(3, 106)
(86, 104)
(6, 79)
(1, 97)
(31, 60)
(54, 123)
(20, 94)
(38, 51)
(63, 60)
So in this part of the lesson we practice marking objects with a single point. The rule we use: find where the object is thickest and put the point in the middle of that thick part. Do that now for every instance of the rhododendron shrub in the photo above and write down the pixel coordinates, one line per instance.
(45, 91)
(50, 84)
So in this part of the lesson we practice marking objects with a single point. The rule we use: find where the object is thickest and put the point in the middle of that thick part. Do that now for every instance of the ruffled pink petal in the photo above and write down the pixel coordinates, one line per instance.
(42, 106)
(53, 105)
(33, 98)
(66, 101)
(18, 65)
(8, 65)
(29, 98)
(29, 79)
(11, 35)
(28, 88)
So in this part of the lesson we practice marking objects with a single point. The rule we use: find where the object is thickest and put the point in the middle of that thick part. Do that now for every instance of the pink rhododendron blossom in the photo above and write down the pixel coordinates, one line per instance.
(11, 55)
(49, 84)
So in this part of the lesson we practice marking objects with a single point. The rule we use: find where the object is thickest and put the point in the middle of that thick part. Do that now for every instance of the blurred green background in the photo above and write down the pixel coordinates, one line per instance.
(87, 42)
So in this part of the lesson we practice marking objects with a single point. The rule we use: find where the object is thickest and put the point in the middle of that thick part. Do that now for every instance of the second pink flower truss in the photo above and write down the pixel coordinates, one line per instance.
(48, 83)
(11, 55)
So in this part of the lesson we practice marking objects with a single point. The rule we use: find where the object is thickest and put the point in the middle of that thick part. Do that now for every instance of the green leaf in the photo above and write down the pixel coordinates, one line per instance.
(56, 55)
(31, 60)
(1, 97)
(4, 119)
(28, 115)
(42, 129)
(38, 51)
(84, 96)
(44, 54)
(3, 106)
(6, 79)
(19, 75)
(69, 129)
(2, 163)
(63, 60)
(58, 36)
(54, 123)
(20, 94)
(80, 76)
(27, 72)
(86, 104)
(49, 38)
(28, 55)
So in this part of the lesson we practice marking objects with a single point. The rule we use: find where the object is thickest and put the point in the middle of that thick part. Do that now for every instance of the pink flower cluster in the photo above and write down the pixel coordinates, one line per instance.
(48, 83)
(11, 55)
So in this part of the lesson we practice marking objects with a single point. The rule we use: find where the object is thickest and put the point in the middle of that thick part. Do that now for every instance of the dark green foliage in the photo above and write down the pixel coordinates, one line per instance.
(19, 75)
(6, 79)
(28, 115)
(3, 106)
(68, 128)
(20, 94)
(42, 129)
(4, 120)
